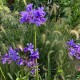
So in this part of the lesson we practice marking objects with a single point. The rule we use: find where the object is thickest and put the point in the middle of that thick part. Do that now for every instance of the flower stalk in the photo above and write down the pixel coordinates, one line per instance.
(36, 70)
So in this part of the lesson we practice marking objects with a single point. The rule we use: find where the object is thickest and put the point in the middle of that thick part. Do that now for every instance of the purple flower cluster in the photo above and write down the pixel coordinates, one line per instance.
(74, 49)
(29, 60)
(34, 54)
(34, 16)
(12, 55)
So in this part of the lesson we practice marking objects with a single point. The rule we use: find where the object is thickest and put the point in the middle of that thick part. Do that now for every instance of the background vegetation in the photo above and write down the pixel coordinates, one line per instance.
(63, 24)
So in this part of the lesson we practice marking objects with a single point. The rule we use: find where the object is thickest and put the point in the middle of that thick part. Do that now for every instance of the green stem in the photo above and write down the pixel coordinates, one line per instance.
(34, 37)
(49, 67)
(36, 72)
(2, 74)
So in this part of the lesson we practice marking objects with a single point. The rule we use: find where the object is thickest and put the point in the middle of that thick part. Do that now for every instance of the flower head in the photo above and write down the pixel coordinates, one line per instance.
(74, 49)
(13, 54)
(30, 48)
(34, 16)
(5, 58)
(35, 54)
(71, 43)
(28, 60)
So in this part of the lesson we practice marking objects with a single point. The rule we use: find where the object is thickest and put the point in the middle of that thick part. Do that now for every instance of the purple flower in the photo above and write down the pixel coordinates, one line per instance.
(71, 43)
(78, 49)
(32, 71)
(39, 16)
(77, 56)
(25, 49)
(25, 17)
(29, 7)
(74, 49)
(13, 54)
(29, 47)
(5, 58)
(31, 63)
(35, 16)
(20, 62)
(35, 54)
(28, 60)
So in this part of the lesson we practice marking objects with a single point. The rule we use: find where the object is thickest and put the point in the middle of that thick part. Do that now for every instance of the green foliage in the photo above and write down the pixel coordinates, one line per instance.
(63, 24)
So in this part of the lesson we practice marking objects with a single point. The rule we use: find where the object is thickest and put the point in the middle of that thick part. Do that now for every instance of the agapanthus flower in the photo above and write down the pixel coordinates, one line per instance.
(74, 49)
(21, 62)
(29, 7)
(71, 43)
(35, 54)
(31, 63)
(30, 47)
(13, 54)
(34, 16)
(25, 49)
(29, 60)
(5, 58)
